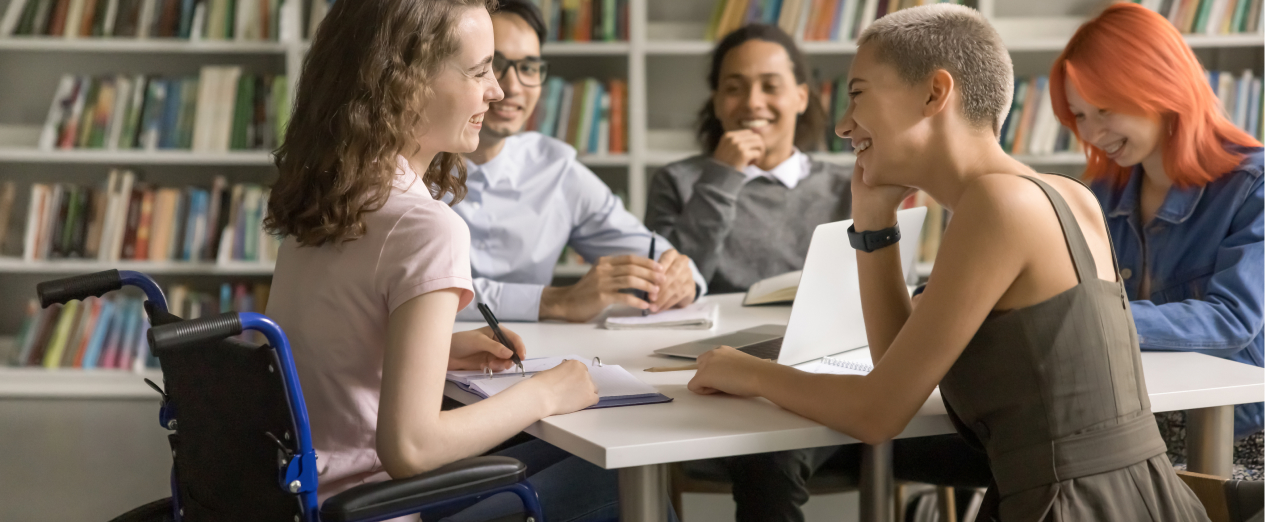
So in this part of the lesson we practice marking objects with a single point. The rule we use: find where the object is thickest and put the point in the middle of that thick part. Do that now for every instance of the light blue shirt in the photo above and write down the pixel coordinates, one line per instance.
(523, 207)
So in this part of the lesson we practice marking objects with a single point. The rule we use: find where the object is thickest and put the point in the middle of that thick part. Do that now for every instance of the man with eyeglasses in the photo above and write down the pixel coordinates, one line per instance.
(529, 197)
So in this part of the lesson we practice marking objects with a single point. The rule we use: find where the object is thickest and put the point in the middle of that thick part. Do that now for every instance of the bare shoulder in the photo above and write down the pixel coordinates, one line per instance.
(1002, 201)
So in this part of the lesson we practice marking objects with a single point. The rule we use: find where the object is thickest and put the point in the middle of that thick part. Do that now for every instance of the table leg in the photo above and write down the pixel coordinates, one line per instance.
(643, 493)
(876, 482)
(1210, 441)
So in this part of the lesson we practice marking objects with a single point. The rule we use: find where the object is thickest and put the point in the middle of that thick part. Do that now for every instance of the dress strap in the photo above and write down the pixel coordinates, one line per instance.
(1082, 259)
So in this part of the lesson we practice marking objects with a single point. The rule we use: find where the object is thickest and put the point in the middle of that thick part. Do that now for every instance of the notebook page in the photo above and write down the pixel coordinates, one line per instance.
(775, 283)
(530, 366)
(832, 366)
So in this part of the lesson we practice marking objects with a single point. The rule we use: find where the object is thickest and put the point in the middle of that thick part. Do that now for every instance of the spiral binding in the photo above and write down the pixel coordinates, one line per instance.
(850, 365)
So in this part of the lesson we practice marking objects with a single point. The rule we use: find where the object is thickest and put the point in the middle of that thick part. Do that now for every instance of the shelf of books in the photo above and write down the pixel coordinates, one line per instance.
(138, 45)
(135, 157)
(585, 48)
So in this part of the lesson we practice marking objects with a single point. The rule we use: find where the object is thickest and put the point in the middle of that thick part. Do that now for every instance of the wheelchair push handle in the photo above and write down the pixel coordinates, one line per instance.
(195, 331)
(78, 287)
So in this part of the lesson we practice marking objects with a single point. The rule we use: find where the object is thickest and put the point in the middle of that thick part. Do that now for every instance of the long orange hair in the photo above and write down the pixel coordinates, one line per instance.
(1133, 61)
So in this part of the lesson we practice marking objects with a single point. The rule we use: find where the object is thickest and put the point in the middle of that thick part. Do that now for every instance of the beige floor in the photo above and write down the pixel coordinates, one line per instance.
(841, 507)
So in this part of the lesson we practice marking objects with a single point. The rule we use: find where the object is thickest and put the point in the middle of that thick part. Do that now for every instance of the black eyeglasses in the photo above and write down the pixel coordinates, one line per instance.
(531, 70)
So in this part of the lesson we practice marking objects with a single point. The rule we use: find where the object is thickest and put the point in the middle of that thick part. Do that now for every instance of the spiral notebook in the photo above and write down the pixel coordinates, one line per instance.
(835, 366)
(615, 386)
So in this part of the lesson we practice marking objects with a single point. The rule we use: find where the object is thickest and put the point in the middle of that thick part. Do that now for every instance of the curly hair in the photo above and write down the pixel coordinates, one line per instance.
(360, 99)
(809, 126)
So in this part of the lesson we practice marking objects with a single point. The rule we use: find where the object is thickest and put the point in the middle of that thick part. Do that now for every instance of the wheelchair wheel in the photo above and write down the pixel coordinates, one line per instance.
(156, 511)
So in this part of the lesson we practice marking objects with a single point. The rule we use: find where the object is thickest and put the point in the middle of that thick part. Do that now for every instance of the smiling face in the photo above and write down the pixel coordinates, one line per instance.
(515, 40)
(462, 90)
(883, 118)
(757, 91)
(1125, 139)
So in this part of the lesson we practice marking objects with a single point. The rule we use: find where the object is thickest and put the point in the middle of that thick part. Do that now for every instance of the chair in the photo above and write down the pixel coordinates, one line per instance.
(240, 441)
(710, 476)
(1227, 500)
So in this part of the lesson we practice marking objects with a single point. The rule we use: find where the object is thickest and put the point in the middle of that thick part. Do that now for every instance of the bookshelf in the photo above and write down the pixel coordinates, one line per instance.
(664, 62)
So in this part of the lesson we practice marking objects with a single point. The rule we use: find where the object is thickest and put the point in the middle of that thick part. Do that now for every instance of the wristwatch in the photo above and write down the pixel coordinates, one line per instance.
(872, 240)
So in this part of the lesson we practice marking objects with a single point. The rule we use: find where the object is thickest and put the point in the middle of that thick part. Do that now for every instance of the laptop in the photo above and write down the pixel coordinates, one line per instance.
(826, 315)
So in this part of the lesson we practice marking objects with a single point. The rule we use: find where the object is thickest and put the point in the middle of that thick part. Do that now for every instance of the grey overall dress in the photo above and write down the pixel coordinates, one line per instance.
(1054, 393)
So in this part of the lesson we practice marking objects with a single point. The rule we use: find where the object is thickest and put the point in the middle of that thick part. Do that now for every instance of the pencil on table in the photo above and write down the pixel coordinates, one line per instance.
(657, 369)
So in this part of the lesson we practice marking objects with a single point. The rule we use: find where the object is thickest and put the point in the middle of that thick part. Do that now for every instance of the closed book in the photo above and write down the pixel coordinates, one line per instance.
(57, 343)
(12, 14)
(281, 100)
(92, 351)
(118, 326)
(160, 231)
(74, 18)
(118, 115)
(8, 194)
(1029, 112)
(149, 136)
(168, 128)
(186, 19)
(181, 225)
(208, 81)
(168, 23)
(111, 13)
(86, 18)
(57, 25)
(144, 225)
(252, 212)
(78, 333)
(243, 113)
(195, 224)
(63, 102)
(131, 224)
(145, 18)
(233, 245)
(188, 113)
(225, 96)
(619, 108)
(25, 331)
(96, 223)
(216, 210)
(102, 110)
(56, 222)
(85, 113)
(81, 215)
(126, 24)
(129, 137)
(35, 354)
(43, 14)
(127, 346)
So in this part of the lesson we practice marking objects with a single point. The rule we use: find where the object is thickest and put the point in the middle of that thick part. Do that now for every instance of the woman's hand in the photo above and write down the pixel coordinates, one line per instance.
(726, 370)
(478, 349)
(874, 208)
(567, 387)
(739, 148)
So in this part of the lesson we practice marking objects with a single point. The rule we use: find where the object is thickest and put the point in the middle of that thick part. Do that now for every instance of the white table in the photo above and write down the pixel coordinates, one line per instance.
(640, 441)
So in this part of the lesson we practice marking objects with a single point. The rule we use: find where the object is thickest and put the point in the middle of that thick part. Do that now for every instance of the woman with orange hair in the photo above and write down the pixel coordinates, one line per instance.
(1182, 190)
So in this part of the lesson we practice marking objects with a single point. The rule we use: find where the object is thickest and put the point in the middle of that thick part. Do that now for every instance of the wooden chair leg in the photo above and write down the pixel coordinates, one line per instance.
(947, 504)
(676, 479)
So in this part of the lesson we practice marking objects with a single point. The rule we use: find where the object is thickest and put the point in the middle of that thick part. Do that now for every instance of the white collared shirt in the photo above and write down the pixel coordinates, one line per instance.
(788, 172)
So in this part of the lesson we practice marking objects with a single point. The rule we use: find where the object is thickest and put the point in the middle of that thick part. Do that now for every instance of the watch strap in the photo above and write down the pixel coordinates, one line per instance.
(872, 240)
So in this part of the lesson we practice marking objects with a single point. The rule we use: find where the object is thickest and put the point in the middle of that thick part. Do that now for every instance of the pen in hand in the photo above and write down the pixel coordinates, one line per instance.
(500, 336)
(645, 296)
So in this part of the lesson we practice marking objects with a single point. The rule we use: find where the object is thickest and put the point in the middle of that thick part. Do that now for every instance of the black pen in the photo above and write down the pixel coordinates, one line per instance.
(500, 336)
(645, 296)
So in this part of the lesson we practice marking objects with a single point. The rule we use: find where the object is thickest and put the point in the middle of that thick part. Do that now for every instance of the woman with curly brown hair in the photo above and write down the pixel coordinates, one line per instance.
(375, 266)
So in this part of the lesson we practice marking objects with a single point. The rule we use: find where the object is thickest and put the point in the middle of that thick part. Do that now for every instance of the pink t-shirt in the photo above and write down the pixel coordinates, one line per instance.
(334, 301)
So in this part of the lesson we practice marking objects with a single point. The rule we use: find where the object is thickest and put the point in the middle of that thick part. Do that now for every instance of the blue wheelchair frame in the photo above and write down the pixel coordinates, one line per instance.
(299, 474)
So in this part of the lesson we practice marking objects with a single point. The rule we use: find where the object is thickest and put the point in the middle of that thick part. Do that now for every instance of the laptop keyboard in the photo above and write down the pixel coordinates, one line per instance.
(765, 349)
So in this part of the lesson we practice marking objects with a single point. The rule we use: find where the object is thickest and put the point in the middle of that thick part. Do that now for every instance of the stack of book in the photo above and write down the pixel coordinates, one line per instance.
(221, 109)
(239, 20)
(1241, 98)
(586, 113)
(129, 220)
(1209, 16)
(806, 20)
(1031, 127)
(109, 332)
(585, 20)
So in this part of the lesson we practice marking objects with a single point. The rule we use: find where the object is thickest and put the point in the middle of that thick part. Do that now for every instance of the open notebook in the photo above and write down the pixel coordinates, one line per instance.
(835, 366)
(776, 289)
(697, 316)
(615, 386)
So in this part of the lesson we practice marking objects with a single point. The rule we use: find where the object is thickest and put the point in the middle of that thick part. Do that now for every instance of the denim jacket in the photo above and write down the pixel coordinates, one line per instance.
(1206, 253)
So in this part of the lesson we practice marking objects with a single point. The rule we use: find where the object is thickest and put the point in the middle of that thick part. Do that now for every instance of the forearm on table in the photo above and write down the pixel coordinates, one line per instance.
(845, 403)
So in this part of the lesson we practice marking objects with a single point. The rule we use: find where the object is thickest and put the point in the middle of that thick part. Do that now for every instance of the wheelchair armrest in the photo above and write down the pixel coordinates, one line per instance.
(399, 497)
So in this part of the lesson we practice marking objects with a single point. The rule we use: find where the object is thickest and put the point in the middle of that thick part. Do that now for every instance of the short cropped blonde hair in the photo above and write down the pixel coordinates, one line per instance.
(919, 40)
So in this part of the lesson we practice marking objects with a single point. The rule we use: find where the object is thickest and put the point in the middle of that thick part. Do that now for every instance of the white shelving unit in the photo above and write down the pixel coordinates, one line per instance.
(664, 62)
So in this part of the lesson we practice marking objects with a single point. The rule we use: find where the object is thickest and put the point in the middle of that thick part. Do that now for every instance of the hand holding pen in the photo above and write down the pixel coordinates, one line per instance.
(500, 336)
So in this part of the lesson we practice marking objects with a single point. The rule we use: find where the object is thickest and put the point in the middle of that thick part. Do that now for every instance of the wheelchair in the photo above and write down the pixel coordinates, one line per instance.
(241, 446)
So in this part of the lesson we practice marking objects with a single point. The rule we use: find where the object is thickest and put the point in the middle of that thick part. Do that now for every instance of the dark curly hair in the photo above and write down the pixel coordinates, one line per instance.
(809, 126)
(359, 100)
